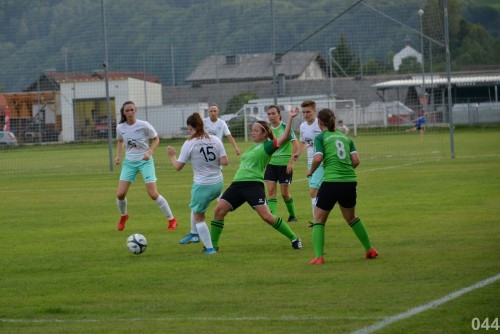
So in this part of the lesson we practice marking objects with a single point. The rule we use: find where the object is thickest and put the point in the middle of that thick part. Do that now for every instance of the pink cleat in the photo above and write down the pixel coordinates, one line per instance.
(371, 254)
(317, 260)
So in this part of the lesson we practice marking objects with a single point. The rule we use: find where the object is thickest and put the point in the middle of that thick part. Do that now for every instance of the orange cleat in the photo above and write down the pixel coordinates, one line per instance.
(123, 220)
(172, 224)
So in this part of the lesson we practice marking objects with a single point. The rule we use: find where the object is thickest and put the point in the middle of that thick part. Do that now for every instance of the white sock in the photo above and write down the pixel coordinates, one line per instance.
(194, 230)
(204, 234)
(122, 206)
(164, 207)
(313, 202)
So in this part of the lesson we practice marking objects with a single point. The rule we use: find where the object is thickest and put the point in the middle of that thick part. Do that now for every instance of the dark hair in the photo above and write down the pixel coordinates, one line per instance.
(328, 118)
(123, 119)
(196, 123)
(277, 109)
(213, 105)
(308, 103)
(267, 129)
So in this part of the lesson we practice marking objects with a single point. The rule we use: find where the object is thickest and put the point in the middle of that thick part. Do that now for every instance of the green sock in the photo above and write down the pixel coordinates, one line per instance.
(290, 207)
(216, 227)
(283, 228)
(318, 239)
(359, 229)
(272, 203)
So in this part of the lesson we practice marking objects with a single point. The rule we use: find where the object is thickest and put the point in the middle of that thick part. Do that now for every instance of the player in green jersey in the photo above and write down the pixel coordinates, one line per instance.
(280, 167)
(248, 183)
(340, 158)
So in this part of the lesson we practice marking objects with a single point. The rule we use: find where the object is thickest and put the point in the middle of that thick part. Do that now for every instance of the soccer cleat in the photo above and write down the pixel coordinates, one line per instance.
(292, 219)
(172, 224)
(123, 220)
(297, 243)
(371, 254)
(209, 251)
(205, 248)
(317, 260)
(190, 238)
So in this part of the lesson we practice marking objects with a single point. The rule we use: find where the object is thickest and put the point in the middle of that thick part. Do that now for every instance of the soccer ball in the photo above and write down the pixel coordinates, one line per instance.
(137, 243)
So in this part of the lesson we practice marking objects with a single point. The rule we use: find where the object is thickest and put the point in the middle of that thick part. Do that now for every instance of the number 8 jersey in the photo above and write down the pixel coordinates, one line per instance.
(336, 149)
(204, 154)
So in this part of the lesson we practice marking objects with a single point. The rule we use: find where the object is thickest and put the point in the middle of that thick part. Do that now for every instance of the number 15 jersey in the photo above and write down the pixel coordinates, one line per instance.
(204, 155)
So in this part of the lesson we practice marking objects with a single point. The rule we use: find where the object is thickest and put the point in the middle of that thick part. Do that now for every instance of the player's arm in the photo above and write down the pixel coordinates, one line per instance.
(154, 144)
(295, 151)
(223, 161)
(302, 148)
(286, 134)
(119, 151)
(317, 159)
(354, 159)
(173, 158)
(233, 142)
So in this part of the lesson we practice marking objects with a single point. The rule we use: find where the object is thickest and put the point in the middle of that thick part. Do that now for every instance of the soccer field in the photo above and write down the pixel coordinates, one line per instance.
(434, 220)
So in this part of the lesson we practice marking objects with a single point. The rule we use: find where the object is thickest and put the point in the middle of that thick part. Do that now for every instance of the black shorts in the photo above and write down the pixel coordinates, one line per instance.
(330, 193)
(275, 173)
(251, 192)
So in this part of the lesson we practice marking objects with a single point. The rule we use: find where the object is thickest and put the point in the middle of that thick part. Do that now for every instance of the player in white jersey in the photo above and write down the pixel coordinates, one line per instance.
(309, 129)
(206, 154)
(218, 127)
(134, 136)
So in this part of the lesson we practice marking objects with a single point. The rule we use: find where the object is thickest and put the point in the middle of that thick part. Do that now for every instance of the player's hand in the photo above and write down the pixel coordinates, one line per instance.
(148, 155)
(238, 152)
(308, 173)
(117, 160)
(293, 112)
(171, 151)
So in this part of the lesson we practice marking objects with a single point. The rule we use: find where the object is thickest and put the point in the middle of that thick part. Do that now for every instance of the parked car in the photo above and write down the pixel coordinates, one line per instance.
(7, 138)
(101, 127)
(34, 133)
(236, 125)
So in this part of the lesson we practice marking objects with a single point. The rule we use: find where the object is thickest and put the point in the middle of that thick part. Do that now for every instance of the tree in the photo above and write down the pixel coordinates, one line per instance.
(410, 65)
(237, 101)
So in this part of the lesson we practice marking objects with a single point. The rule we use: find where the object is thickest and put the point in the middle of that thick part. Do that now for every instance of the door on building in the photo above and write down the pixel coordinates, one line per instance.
(91, 119)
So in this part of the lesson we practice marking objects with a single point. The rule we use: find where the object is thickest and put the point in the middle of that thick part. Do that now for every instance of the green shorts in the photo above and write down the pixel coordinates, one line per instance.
(130, 169)
(203, 194)
(317, 178)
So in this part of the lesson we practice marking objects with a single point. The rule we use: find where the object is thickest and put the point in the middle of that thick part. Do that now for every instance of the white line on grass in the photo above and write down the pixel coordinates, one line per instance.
(284, 318)
(419, 309)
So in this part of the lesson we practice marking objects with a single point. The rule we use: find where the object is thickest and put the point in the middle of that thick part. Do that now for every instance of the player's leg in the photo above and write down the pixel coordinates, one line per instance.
(149, 176)
(326, 201)
(347, 206)
(121, 202)
(271, 181)
(217, 224)
(202, 195)
(127, 176)
(278, 224)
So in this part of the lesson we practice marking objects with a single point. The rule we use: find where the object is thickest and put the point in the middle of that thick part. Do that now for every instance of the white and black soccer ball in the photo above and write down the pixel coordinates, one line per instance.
(137, 243)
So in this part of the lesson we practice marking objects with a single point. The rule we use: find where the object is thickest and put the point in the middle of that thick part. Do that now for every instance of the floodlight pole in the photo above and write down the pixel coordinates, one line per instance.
(448, 70)
(275, 83)
(106, 79)
(330, 50)
(421, 13)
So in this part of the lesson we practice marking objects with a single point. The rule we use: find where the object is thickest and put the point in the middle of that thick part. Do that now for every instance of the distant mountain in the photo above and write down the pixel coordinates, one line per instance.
(169, 37)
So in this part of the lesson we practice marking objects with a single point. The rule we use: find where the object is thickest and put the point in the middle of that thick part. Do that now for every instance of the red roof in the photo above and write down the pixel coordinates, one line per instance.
(62, 77)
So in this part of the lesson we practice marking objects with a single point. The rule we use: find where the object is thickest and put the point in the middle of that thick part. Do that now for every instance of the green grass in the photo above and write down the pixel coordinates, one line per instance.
(434, 220)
